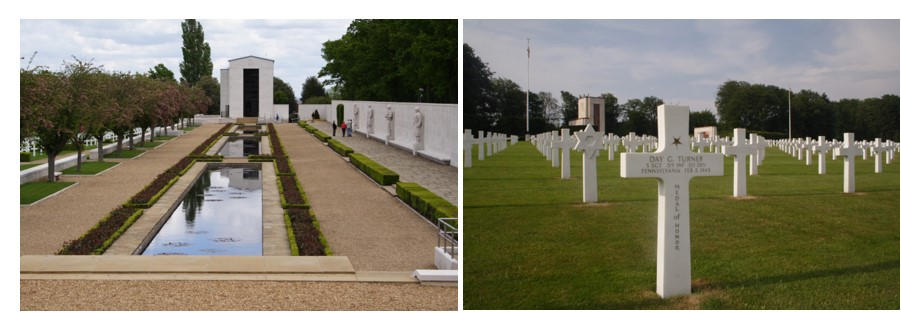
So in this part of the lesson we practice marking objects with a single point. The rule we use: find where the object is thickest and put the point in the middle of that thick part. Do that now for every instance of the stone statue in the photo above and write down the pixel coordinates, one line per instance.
(356, 115)
(369, 122)
(418, 126)
(389, 117)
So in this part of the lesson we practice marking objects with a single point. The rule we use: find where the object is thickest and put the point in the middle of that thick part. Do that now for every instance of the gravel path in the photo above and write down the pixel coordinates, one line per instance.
(47, 225)
(359, 219)
(103, 295)
(438, 178)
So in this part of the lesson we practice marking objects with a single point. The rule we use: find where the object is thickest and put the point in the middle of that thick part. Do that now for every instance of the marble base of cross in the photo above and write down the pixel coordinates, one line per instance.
(673, 164)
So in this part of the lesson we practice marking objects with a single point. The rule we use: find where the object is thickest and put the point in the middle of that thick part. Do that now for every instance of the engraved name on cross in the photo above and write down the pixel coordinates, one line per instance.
(673, 164)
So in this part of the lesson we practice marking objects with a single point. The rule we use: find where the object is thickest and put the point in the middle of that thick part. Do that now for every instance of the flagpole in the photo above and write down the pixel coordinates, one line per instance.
(789, 112)
(528, 79)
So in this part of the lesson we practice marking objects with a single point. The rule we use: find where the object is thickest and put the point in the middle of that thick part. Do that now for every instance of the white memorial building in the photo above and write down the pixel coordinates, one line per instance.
(591, 112)
(247, 90)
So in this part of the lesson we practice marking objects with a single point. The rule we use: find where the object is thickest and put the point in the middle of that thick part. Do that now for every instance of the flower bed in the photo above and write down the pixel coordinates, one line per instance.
(102, 235)
(306, 234)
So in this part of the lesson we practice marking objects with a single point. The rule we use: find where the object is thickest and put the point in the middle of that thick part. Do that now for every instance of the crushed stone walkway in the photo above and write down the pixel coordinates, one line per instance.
(362, 221)
(438, 178)
(46, 226)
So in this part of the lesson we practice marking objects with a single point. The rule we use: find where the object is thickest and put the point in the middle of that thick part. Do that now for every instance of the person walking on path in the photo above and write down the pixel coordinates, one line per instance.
(350, 129)
(343, 129)
(334, 128)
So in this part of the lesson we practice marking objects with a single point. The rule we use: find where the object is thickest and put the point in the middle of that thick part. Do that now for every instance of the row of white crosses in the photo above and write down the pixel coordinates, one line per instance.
(804, 148)
(488, 144)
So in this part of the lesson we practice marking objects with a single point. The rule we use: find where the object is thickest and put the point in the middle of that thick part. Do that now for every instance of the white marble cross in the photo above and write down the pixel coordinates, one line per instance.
(673, 164)
(741, 151)
(821, 148)
(589, 142)
(488, 144)
(878, 148)
(468, 141)
(565, 144)
(612, 145)
(808, 149)
(631, 142)
(555, 155)
(833, 146)
(481, 142)
(849, 150)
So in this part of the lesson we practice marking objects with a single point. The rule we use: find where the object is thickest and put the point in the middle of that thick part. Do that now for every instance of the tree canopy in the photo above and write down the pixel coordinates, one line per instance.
(311, 88)
(195, 52)
(161, 73)
(394, 60)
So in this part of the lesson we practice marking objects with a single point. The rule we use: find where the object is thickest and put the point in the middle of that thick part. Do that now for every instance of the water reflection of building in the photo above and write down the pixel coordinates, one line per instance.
(236, 147)
(243, 178)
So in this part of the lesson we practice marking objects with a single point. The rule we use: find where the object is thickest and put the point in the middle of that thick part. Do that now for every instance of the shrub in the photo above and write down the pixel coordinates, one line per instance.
(377, 172)
(339, 147)
(306, 235)
(321, 136)
(315, 114)
(97, 239)
(147, 197)
(291, 195)
(207, 158)
(230, 134)
(260, 158)
(24, 157)
(428, 204)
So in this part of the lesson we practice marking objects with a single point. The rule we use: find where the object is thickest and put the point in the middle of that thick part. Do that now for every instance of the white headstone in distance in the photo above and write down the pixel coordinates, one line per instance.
(752, 168)
(589, 142)
(481, 143)
(488, 144)
(565, 144)
(514, 139)
(821, 148)
(808, 148)
(878, 148)
(761, 144)
(864, 147)
(849, 150)
(612, 146)
(555, 154)
(834, 145)
(468, 141)
(631, 142)
(673, 164)
(741, 151)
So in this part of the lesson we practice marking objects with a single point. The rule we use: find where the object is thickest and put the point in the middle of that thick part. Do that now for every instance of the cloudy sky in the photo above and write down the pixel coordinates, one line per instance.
(684, 61)
(138, 45)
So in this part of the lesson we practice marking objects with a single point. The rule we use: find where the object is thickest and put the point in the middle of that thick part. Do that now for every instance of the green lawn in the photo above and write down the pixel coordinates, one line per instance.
(23, 167)
(164, 138)
(126, 154)
(32, 192)
(90, 168)
(800, 243)
(62, 153)
(149, 144)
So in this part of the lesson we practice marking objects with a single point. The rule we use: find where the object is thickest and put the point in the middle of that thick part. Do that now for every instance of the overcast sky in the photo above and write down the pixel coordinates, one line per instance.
(138, 45)
(684, 61)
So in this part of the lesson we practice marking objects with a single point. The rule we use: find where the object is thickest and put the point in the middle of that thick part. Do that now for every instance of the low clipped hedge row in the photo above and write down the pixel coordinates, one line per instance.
(206, 145)
(308, 238)
(376, 171)
(304, 234)
(24, 157)
(339, 147)
(428, 204)
(102, 235)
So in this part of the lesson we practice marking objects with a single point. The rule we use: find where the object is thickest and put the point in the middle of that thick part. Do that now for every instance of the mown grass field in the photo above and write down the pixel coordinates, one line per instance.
(32, 192)
(125, 154)
(797, 243)
(90, 168)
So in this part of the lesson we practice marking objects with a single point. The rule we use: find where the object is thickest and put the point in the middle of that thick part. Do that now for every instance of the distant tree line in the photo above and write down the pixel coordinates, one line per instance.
(498, 104)
(394, 60)
(765, 108)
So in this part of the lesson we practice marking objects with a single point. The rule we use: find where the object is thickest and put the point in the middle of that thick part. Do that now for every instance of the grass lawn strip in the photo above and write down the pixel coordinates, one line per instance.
(23, 167)
(126, 154)
(30, 193)
(149, 144)
(164, 138)
(797, 242)
(90, 168)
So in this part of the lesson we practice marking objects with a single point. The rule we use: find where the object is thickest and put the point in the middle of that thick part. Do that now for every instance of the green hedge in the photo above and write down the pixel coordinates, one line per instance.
(377, 172)
(321, 136)
(207, 158)
(326, 249)
(292, 241)
(339, 147)
(24, 157)
(303, 196)
(155, 196)
(428, 204)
